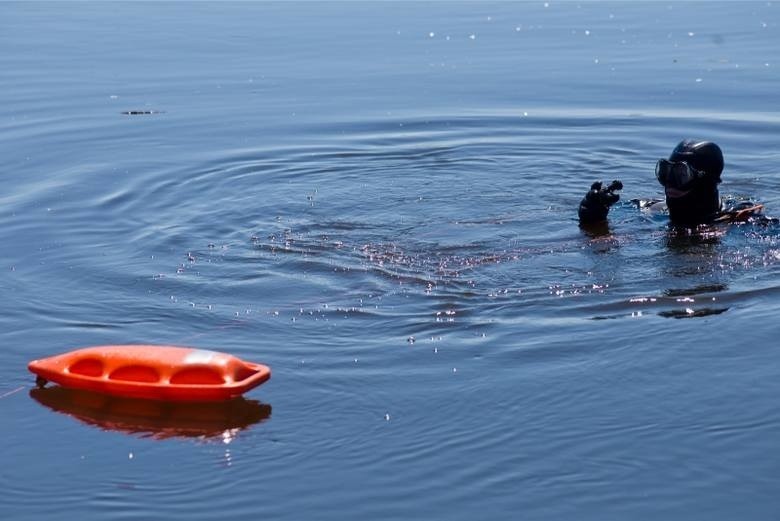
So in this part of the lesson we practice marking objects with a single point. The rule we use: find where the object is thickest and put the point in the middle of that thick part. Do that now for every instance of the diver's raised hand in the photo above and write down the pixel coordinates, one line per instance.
(595, 205)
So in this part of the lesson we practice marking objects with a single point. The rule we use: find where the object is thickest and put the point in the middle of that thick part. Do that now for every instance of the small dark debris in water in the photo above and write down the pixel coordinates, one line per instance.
(696, 290)
(690, 313)
(141, 112)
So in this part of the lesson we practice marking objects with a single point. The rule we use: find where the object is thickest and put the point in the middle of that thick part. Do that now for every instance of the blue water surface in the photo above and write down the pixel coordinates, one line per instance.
(378, 200)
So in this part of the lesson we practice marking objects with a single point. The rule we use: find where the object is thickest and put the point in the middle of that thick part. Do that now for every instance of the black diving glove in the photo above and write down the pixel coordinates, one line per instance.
(595, 205)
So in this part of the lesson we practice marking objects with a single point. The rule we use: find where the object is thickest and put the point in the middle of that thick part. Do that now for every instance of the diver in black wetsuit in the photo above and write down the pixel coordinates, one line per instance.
(690, 178)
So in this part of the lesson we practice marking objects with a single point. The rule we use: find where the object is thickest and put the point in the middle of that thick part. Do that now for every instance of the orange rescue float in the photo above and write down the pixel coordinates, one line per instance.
(152, 372)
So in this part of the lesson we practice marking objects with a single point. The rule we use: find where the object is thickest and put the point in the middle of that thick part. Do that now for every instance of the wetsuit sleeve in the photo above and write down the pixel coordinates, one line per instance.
(744, 211)
(594, 207)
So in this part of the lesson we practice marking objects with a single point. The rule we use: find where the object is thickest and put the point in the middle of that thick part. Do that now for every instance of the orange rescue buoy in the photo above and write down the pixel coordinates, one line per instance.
(152, 372)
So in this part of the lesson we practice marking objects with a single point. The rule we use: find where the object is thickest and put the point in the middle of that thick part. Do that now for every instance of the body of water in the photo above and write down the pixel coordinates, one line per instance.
(378, 200)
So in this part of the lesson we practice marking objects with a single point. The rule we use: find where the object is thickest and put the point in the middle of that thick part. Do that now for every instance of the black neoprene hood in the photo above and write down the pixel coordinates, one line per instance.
(705, 156)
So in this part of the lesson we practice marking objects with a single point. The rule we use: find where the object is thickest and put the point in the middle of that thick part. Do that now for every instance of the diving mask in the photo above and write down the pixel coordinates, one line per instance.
(676, 174)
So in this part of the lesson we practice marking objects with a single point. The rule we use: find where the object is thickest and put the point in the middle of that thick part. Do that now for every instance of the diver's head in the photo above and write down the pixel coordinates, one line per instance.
(690, 179)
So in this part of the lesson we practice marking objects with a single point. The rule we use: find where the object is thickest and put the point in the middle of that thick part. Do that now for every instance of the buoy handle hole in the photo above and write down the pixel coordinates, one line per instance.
(135, 373)
(87, 367)
(197, 376)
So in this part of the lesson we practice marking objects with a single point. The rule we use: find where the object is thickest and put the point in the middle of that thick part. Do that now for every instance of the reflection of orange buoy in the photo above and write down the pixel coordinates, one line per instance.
(152, 372)
(154, 418)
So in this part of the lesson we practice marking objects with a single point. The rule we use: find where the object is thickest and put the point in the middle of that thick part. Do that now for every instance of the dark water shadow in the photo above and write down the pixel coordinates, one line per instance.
(702, 289)
(690, 294)
(697, 240)
(692, 313)
(601, 239)
(153, 419)
(596, 230)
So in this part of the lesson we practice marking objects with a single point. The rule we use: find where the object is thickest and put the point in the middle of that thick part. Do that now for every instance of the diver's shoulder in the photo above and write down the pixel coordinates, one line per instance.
(743, 210)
